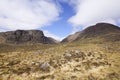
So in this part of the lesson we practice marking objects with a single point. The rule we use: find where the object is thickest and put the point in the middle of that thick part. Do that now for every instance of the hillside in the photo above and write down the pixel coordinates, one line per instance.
(71, 38)
(104, 31)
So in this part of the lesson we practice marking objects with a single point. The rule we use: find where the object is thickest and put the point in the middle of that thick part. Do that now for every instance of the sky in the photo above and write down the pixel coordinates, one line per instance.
(57, 18)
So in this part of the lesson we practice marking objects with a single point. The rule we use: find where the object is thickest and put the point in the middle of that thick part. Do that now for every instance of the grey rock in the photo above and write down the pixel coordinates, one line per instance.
(77, 51)
(67, 55)
(45, 66)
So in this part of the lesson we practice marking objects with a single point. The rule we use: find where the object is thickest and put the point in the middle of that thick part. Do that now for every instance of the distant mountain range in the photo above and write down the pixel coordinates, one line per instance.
(104, 31)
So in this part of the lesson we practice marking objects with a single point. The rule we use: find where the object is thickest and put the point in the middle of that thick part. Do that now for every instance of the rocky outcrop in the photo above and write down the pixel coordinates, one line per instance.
(24, 36)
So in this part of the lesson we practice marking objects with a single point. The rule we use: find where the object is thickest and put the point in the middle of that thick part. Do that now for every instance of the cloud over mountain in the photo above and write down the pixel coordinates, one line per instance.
(89, 12)
(34, 14)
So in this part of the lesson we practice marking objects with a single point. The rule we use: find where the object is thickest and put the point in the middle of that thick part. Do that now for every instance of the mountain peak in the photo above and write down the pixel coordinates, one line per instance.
(100, 29)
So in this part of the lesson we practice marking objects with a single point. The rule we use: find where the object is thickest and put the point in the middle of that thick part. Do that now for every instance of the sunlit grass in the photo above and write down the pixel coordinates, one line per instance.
(16, 61)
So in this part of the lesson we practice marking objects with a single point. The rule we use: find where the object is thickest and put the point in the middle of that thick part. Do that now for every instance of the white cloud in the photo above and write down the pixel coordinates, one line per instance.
(27, 14)
(49, 34)
(89, 12)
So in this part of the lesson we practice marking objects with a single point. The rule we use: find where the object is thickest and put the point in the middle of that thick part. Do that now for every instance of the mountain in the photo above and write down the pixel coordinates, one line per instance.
(71, 38)
(24, 36)
(103, 31)
(52, 40)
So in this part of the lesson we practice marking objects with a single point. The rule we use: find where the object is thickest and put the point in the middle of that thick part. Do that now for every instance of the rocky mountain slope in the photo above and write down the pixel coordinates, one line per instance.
(101, 30)
(24, 36)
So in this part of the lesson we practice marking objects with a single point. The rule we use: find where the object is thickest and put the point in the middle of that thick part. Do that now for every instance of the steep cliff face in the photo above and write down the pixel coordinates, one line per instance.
(24, 36)
(101, 30)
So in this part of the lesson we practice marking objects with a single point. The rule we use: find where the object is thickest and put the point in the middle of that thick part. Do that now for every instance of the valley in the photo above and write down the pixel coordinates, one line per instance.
(87, 58)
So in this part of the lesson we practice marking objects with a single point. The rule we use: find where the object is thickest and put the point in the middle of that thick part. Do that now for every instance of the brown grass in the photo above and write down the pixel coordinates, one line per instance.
(102, 64)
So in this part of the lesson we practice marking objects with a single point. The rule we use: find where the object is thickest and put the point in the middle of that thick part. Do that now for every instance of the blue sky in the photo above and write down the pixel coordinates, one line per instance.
(61, 27)
(57, 18)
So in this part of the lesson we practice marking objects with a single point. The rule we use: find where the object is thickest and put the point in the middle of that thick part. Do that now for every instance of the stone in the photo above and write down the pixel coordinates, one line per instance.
(67, 55)
(45, 66)
(77, 51)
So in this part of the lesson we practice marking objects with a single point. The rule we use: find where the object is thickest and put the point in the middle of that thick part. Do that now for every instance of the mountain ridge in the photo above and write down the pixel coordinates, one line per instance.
(98, 30)
(105, 31)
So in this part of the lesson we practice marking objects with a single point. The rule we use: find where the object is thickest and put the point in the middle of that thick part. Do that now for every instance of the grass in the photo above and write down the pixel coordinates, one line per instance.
(16, 61)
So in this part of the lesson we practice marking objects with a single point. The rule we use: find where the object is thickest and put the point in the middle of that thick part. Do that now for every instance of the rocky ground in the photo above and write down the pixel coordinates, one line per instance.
(62, 63)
